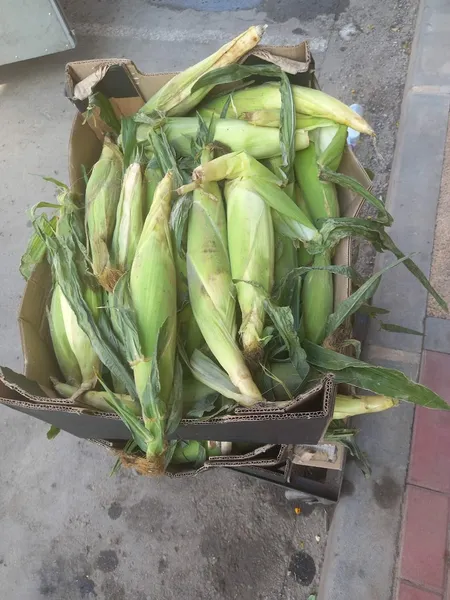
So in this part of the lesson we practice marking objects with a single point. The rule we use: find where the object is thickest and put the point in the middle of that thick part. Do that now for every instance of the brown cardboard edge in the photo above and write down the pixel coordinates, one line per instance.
(338, 465)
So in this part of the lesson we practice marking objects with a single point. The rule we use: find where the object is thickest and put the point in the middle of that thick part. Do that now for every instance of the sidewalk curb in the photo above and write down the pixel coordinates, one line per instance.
(363, 542)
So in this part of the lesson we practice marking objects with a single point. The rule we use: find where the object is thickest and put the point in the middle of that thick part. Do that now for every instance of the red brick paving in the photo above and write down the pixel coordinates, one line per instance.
(408, 592)
(424, 563)
(424, 538)
(429, 465)
(435, 373)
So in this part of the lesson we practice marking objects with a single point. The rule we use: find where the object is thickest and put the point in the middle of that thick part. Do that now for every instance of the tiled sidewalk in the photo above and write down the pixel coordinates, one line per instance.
(424, 562)
(397, 546)
(424, 566)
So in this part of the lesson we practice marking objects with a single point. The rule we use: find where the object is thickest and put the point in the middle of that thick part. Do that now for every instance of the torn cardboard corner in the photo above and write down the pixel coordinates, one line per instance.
(325, 456)
(128, 88)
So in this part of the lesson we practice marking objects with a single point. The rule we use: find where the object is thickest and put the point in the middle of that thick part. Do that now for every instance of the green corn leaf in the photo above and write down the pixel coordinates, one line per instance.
(326, 174)
(107, 114)
(174, 410)
(59, 184)
(372, 311)
(140, 434)
(36, 248)
(295, 274)
(233, 73)
(226, 106)
(129, 141)
(346, 437)
(351, 304)
(399, 329)
(123, 320)
(331, 157)
(203, 406)
(179, 220)
(333, 230)
(283, 320)
(356, 344)
(129, 448)
(53, 432)
(379, 380)
(287, 127)
(211, 375)
(65, 261)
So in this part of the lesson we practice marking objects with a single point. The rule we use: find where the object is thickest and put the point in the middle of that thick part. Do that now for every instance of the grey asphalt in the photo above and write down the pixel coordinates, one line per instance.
(67, 529)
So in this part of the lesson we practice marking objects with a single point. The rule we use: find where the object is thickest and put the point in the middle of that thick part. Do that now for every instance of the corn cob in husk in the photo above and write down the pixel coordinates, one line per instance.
(176, 98)
(307, 101)
(102, 197)
(210, 285)
(259, 142)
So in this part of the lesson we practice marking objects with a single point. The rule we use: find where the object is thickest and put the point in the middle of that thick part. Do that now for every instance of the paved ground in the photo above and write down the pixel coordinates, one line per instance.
(69, 531)
(404, 511)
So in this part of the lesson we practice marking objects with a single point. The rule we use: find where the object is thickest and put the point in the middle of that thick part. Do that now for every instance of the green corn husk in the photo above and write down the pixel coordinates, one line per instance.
(285, 251)
(129, 222)
(271, 118)
(304, 259)
(197, 453)
(252, 255)
(94, 399)
(175, 97)
(153, 295)
(188, 329)
(327, 148)
(65, 357)
(307, 102)
(317, 299)
(259, 142)
(257, 179)
(102, 197)
(350, 406)
(152, 177)
(211, 287)
(79, 342)
(282, 381)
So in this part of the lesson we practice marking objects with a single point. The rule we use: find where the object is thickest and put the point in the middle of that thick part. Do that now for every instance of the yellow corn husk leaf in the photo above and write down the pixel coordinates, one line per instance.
(154, 299)
(79, 342)
(350, 406)
(211, 288)
(259, 142)
(261, 180)
(175, 97)
(152, 177)
(129, 221)
(95, 399)
(307, 101)
(65, 357)
(102, 197)
(252, 254)
(317, 299)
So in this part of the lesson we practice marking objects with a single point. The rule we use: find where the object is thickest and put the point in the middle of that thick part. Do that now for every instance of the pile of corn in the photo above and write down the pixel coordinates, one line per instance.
(196, 272)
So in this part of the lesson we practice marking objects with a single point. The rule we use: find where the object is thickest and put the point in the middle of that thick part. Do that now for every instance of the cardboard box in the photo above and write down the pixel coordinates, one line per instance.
(303, 484)
(303, 421)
